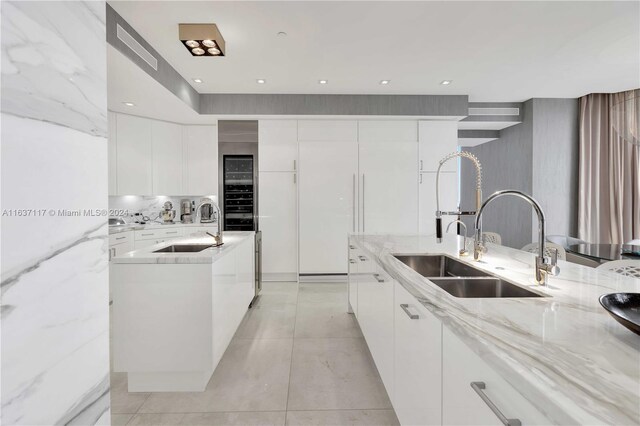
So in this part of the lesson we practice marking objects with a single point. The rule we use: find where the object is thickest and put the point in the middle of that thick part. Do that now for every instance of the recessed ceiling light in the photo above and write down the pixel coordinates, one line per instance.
(323, 81)
(445, 82)
(385, 81)
(282, 34)
(261, 81)
(197, 80)
(129, 104)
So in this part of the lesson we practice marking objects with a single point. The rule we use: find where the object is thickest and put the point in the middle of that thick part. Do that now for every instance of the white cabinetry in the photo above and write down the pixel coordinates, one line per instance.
(279, 225)
(120, 243)
(232, 294)
(327, 191)
(134, 155)
(327, 130)
(418, 362)
(375, 316)
(462, 405)
(388, 176)
(167, 158)
(278, 145)
(151, 157)
(278, 198)
(113, 152)
(145, 238)
(448, 200)
(437, 139)
(200, 167)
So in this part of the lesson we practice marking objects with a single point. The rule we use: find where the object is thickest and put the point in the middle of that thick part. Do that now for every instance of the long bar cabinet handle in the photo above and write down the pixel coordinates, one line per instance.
(405, 308)
(479, 387)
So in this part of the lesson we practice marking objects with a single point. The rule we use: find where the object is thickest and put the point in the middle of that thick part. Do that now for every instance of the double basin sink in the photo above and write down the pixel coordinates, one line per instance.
(462, 280)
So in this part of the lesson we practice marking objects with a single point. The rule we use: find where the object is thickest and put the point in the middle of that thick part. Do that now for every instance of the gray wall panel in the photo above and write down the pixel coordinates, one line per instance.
(506, 164)
(288, 104)
(539, 157)
(555, 156)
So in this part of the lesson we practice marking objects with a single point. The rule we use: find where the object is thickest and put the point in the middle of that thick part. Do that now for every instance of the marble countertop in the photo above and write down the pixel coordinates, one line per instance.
(146, 255)
(116, 229)
(563, 353)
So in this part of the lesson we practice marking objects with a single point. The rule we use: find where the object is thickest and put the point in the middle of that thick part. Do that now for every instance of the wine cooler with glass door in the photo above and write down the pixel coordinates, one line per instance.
(239, 192)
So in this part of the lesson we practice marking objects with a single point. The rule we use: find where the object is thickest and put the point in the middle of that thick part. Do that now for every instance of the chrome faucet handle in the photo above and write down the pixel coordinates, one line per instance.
(463, 251)
(552, 267)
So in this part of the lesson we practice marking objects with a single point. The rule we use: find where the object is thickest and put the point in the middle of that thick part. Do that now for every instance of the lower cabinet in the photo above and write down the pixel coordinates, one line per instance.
(278, 198)
(120, 243)
(418, 362)
(427, 370)
(232, 294)
(464, 405)
(375, 315)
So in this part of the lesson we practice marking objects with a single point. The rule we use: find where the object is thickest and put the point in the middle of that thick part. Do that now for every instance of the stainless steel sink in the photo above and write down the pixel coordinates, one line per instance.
(462, 280)
(481, 287)
(440, 266)
(184, 248)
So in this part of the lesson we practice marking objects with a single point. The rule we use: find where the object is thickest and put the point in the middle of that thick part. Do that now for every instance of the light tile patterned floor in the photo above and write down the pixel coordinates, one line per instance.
(297, 359)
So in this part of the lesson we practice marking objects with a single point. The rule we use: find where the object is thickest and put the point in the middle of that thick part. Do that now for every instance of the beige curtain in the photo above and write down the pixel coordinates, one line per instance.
(609, 181)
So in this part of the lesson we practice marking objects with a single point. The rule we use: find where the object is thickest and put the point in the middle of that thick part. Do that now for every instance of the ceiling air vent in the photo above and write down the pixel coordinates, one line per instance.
(137, 48)
(494, 111)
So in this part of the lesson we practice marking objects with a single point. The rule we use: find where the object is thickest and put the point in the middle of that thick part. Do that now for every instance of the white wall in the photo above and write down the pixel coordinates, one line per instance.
(55, 311)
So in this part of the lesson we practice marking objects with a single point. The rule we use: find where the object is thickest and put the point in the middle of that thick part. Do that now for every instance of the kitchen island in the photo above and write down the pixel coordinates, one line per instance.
(554, 359)
(174, 313)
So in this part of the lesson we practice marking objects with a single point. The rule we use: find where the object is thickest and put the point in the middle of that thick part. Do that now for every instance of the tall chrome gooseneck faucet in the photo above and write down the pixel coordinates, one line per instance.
(439, 214)
(218, 235)
(544, 265)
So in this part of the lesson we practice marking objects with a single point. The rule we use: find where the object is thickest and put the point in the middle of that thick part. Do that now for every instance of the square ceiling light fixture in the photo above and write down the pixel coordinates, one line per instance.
(202, 39)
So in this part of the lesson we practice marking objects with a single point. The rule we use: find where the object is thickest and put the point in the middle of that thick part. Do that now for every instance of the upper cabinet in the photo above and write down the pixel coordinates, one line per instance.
(327, 130)
(388, 131)
(200, 144)
(278, 145)
(437, 139)
(166, 158)
(151, 157)
(134, 155)
(388, 177)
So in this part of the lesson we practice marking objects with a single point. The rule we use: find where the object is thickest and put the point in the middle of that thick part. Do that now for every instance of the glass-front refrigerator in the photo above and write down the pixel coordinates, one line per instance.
(239, 193)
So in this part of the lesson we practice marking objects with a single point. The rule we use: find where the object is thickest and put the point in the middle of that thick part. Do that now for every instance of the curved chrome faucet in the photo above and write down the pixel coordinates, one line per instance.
(218, 235)
(439, 214)
(463, 251)
(544, 265)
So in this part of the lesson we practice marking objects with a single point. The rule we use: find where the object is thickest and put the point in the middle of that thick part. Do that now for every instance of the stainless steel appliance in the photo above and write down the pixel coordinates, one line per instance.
(185, 211)
(205, 210)
(258, 266)
(167, 214)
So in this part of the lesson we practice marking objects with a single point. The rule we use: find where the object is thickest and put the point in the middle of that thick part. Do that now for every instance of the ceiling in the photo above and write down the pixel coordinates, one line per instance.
(492, 51)
(126, 82)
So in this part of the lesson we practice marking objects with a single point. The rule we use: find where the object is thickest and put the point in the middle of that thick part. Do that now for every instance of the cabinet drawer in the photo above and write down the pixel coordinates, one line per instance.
(200, 231)
(170, 232)
(119, 238)
(462, 405)
(153, 234)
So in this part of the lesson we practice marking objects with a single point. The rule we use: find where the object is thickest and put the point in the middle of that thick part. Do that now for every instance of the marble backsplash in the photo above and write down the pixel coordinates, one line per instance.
(127, 205)
(54, 275)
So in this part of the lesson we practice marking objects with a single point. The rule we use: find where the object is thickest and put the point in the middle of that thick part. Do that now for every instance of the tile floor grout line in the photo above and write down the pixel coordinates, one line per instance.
(293, 342)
